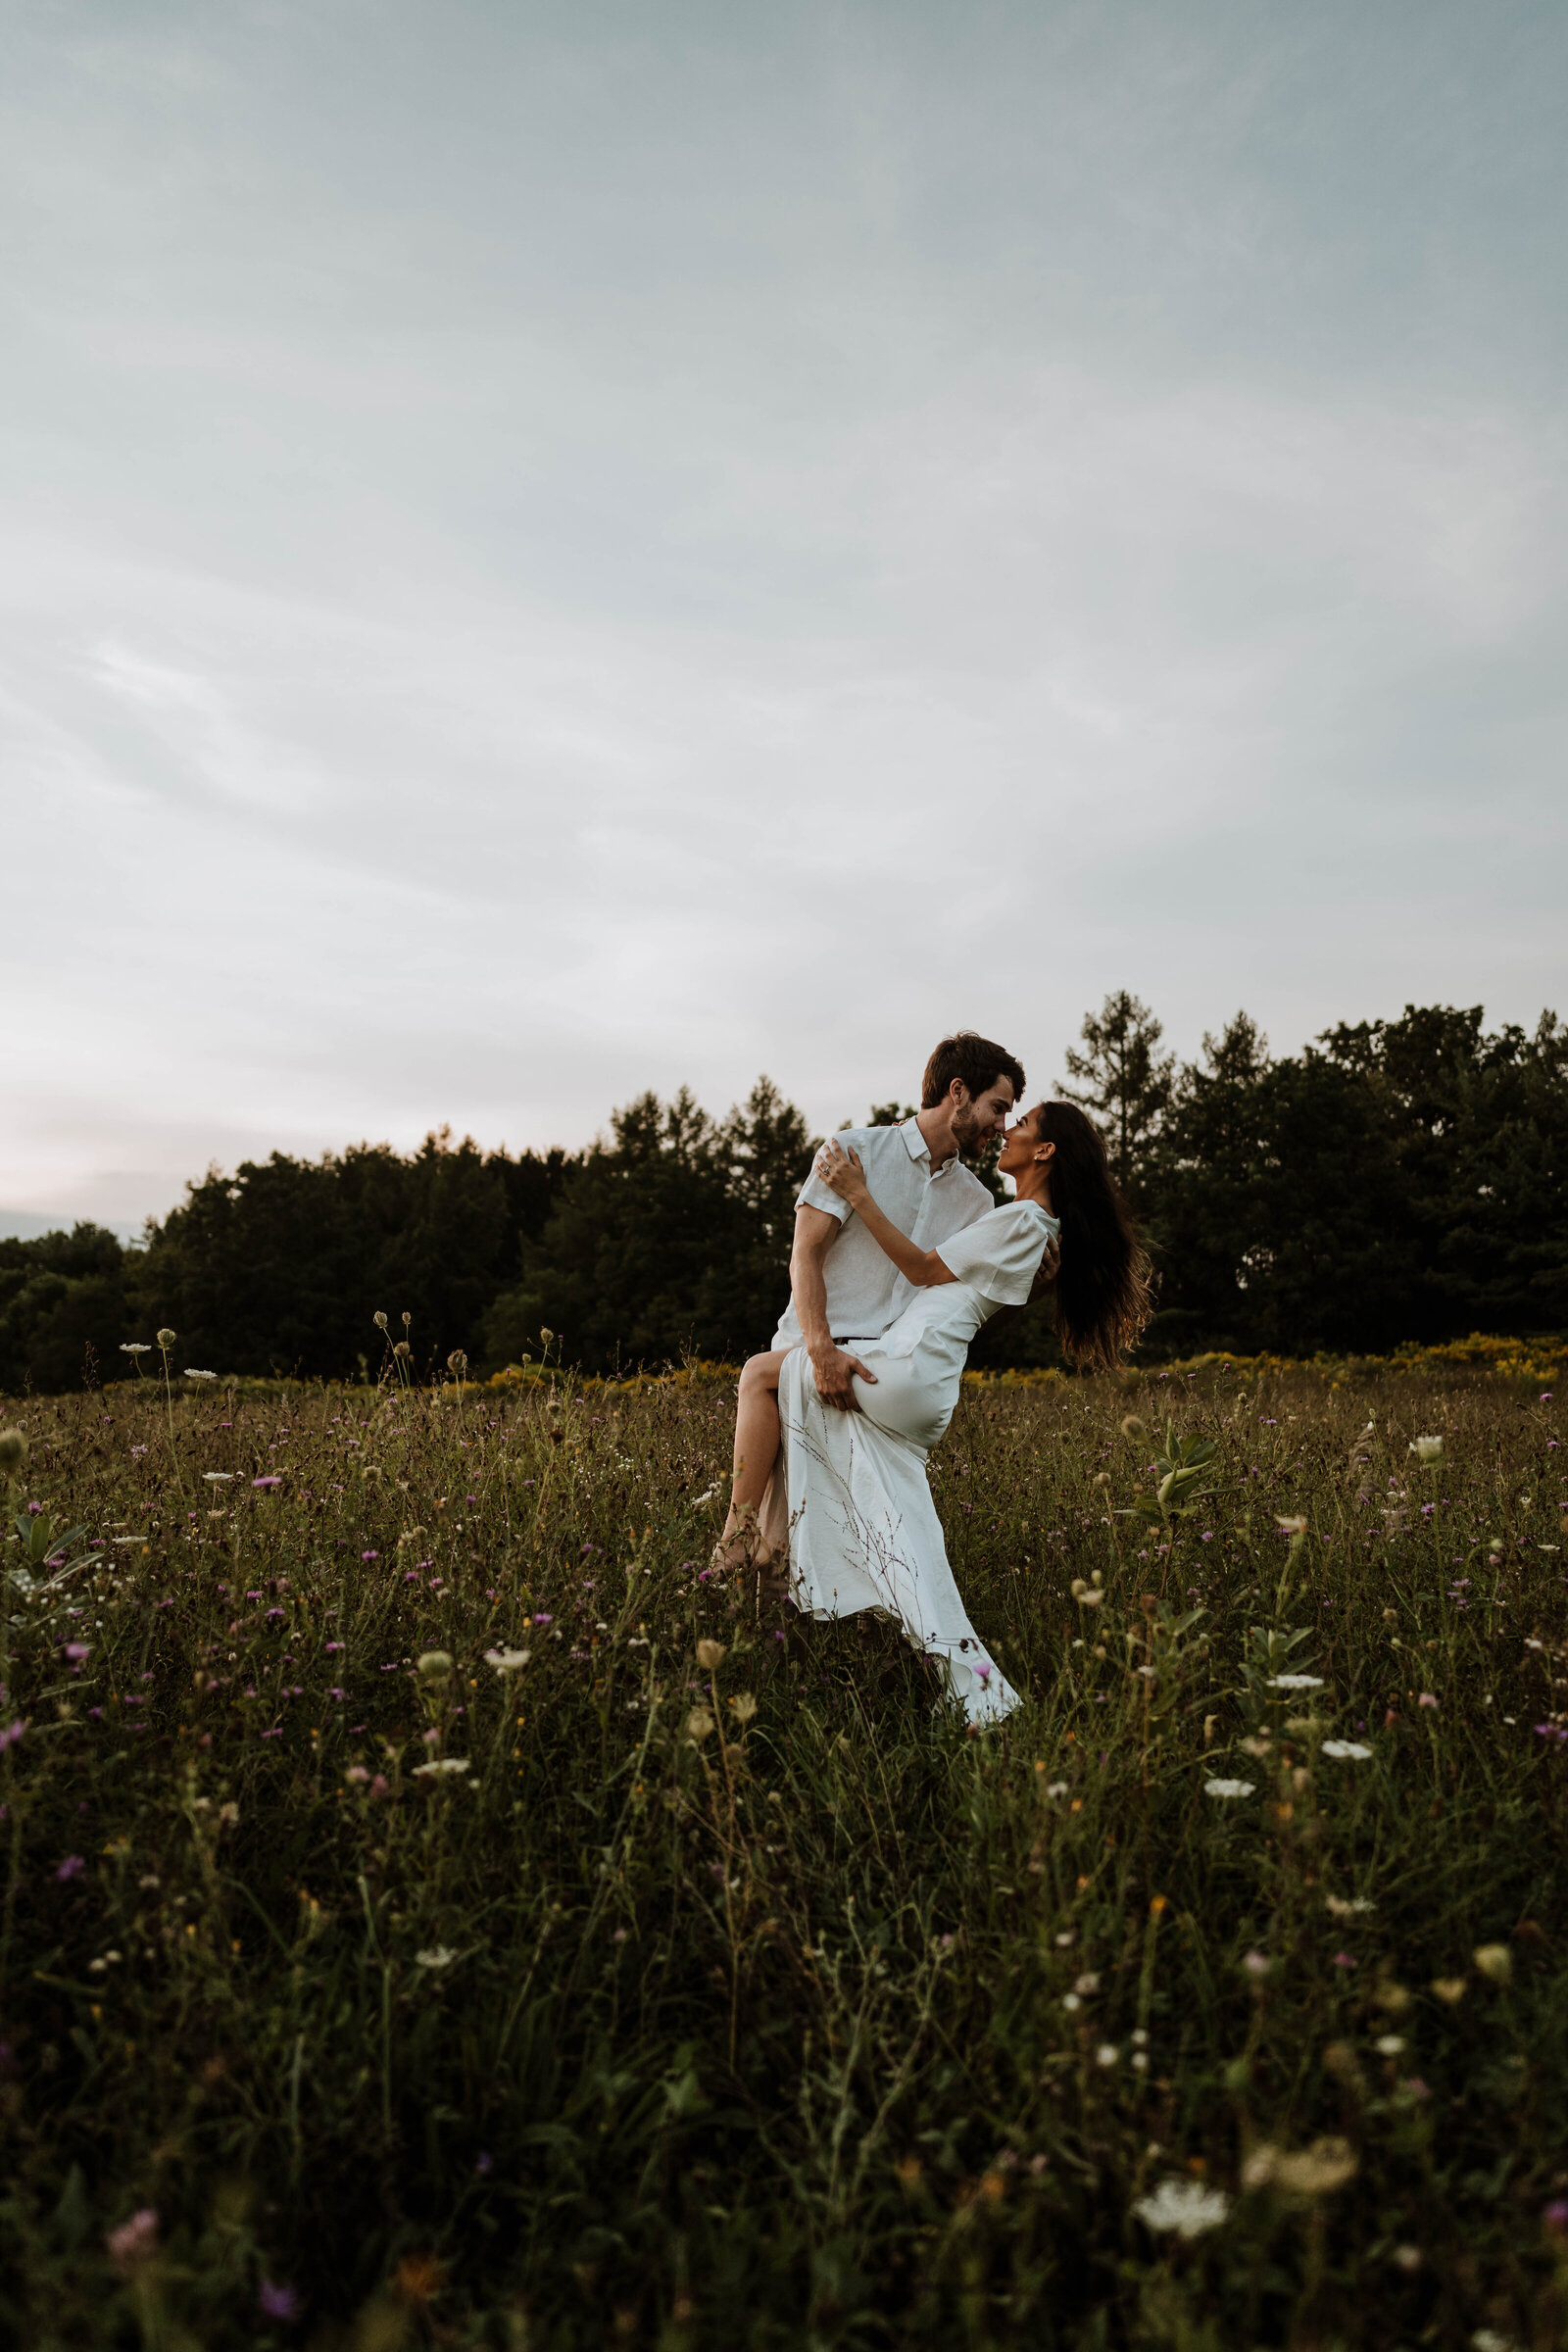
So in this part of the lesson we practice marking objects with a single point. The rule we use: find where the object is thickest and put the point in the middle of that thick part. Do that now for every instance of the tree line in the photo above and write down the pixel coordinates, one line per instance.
(1395, 1180)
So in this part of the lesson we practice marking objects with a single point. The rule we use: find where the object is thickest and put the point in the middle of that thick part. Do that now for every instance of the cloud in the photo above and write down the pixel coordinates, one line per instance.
(544, 561)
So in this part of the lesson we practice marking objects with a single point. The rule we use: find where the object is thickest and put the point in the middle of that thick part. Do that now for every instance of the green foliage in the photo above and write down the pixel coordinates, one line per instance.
(63, 1298)
(1123, 1081)
(1407, 1181)
(1400, 1181)
(675, 1238)
(741, 1999)
(278, 1268)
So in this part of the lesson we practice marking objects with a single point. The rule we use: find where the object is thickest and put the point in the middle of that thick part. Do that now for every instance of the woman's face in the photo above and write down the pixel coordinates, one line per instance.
(1019, 1145)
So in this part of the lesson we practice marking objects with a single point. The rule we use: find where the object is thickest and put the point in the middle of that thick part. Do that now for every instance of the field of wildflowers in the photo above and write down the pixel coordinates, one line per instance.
(438, 1911)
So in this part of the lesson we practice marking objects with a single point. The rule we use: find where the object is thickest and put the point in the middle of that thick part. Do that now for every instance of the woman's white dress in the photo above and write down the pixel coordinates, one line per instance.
(864, 1530)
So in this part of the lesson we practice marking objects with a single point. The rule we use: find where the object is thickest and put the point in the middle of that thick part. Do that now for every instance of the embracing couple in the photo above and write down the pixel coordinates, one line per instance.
(901, 1255)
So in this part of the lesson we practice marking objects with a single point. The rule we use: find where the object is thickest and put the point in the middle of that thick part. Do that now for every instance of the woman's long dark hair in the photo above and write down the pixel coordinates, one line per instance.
(1104, 1291)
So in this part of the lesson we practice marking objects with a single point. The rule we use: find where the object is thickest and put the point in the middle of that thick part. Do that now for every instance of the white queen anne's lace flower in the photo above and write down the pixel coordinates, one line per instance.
(1229, 1788)
(1296, 1682)
(439, 1956)
(1347, 1751)
(1186, 2207)
(440, 1765)
(507, 1661)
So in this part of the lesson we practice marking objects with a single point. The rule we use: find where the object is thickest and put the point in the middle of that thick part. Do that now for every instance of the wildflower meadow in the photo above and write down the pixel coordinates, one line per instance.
(438, 1910)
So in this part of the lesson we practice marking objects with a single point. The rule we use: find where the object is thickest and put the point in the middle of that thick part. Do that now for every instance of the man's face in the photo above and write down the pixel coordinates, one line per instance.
(978, 1117)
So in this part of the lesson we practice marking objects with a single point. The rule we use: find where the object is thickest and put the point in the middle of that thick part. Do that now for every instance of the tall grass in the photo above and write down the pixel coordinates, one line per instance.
(688, 1979)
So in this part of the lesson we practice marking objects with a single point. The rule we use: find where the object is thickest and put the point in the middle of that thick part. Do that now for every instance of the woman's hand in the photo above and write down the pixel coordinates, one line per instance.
(840, 1171)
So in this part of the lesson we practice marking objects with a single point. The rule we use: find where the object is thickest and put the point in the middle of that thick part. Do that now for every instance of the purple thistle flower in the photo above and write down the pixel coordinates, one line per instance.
(277, 2302)
(71, 1868)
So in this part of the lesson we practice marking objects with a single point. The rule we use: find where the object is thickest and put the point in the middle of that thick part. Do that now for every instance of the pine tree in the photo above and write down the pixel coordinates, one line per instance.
(1123, 1080)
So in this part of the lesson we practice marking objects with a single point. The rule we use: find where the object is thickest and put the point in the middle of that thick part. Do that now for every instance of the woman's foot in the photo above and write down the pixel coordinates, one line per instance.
(741, 1544)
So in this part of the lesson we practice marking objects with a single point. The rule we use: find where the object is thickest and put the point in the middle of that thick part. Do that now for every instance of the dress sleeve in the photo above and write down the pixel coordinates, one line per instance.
(999, 1255)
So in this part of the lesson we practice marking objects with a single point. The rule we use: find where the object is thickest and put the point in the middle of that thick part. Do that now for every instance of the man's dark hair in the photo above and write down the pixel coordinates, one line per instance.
(974, 1059)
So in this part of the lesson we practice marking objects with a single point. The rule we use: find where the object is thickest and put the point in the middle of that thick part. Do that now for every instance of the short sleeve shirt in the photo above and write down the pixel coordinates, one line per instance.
(865, 1292)
(1000, 1253)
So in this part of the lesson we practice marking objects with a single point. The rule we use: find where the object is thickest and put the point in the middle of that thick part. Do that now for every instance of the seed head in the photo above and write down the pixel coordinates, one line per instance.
(1494, 1960)
(1132, 1427)
(408, 1320)
(435, 1666)
(380, 1320)
(457, 1363)
(166, 1338)
(1309, 2171)
(12, 1452)
(402, 1349)
(711, 1655)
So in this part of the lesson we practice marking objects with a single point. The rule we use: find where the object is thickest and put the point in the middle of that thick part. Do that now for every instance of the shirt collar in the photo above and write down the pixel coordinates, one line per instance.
(918, 1148)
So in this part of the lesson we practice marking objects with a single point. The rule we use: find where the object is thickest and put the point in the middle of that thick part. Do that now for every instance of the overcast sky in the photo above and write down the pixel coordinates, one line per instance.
(546, 551)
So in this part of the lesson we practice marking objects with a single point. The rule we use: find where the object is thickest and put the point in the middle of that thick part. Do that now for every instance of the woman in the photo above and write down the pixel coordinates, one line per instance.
(862, 1528)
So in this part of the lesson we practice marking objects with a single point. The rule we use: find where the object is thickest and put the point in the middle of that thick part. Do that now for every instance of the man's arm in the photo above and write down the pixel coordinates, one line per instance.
(815, 1232)
(1050, 1268)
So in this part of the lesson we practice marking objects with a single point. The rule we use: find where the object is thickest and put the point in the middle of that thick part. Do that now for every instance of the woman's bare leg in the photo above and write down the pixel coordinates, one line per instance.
(757, 1441)
(757, 1428)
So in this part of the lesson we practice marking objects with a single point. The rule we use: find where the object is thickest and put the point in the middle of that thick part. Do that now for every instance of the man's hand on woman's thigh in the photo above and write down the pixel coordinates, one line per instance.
(835, 1369)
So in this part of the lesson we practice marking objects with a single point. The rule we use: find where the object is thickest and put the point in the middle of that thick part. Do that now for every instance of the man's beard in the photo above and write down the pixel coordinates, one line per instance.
(967, 1131)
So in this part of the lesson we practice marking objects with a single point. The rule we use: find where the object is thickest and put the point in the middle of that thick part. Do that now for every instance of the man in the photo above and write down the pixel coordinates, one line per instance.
(843, 1289)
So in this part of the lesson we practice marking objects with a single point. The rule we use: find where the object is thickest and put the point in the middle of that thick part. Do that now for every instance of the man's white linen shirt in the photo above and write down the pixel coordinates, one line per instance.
(865, 1292)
